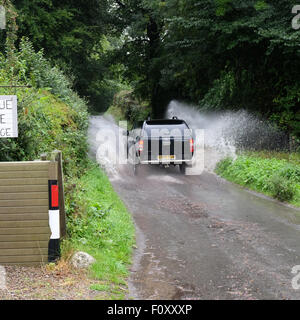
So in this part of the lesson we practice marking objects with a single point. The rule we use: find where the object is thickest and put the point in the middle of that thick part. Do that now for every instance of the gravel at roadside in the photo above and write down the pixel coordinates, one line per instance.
(48, 283)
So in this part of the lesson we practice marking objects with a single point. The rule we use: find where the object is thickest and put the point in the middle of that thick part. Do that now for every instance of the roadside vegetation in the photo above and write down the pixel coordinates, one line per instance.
(156, 48)
(272, 173)
(99, 224)
(126, 106)
(51, 115)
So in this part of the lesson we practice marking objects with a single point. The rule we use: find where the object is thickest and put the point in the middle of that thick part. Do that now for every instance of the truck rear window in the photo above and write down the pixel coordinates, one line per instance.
(168, 128)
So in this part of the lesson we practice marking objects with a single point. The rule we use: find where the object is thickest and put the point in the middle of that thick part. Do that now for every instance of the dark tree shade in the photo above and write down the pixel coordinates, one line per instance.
(221, 54)
(68, 31)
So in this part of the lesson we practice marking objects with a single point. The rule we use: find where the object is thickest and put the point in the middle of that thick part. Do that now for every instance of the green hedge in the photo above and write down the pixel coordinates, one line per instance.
(51, 115)
(279, 178)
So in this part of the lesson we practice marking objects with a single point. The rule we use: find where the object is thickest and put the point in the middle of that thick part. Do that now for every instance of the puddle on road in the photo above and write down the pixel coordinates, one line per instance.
(181, 205)
(155, 284)
(164, 178)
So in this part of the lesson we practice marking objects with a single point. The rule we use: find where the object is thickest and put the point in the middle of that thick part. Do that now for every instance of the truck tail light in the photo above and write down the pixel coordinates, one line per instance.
(192, 146)
(141, 146)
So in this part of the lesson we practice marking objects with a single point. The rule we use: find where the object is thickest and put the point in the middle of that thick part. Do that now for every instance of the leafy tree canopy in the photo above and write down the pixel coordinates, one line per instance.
(221, 54)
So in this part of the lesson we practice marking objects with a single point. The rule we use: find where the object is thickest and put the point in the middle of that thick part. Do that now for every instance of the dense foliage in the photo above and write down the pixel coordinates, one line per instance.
(221, 54)
(71, 33)
(51, 115)
(126, 106)
(273, 176)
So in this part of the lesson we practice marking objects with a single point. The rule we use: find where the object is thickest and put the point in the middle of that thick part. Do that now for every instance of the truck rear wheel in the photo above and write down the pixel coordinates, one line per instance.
(182, 168)
(135, 169)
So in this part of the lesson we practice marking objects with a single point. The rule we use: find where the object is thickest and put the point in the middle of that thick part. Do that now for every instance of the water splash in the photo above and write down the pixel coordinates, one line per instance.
(103, 131)
(226, 132)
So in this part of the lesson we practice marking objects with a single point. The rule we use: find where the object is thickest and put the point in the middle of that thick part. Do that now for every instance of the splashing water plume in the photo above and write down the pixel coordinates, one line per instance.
(227, 132)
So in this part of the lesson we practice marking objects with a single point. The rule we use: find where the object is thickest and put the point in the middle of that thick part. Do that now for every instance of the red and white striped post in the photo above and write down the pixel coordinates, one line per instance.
(54, 209)
(54, 222)
(57, 219)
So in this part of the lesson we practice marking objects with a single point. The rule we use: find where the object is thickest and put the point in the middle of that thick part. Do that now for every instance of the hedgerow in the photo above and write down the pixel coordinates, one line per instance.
(279, 178)
(51, 115)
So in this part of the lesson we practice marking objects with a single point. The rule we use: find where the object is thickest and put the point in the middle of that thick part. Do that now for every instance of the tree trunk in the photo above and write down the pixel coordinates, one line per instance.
(154, 75)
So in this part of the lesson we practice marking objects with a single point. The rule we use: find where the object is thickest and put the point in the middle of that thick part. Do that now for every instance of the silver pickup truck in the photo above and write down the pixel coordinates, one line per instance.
(161, 142)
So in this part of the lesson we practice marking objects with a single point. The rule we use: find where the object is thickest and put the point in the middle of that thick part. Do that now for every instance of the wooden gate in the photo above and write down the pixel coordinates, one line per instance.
(24, 211)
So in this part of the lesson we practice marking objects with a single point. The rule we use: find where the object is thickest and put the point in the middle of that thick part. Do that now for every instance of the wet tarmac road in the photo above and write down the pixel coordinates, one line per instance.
(200, 237)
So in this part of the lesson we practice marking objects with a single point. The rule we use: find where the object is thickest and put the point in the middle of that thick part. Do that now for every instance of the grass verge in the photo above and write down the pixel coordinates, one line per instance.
(274, 174)
(99, 224)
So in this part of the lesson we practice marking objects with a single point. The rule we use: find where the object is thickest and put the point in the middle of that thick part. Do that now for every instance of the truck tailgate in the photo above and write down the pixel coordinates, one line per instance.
(166, 149)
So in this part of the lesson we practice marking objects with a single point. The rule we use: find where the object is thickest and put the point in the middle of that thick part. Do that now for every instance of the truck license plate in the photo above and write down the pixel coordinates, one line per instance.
(166, 158)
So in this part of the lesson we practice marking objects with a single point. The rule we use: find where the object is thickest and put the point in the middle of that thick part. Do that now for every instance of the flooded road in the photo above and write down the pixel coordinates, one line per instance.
(200, 237)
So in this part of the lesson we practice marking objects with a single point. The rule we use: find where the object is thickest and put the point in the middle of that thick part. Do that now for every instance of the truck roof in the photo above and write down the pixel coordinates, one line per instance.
(164, 122)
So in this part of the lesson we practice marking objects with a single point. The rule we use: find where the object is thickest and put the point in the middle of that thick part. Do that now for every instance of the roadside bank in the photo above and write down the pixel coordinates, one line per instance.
(271, 173)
